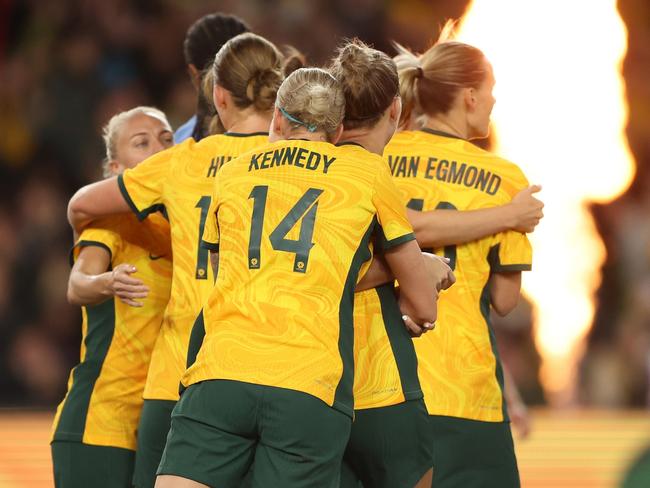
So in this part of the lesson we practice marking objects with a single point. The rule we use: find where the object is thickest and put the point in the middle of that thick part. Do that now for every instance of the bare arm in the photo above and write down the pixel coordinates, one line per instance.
(437, 228)
(504, 291)
(418, 293)
(90, 283)
(378, 273)
(516, 407)
(95, 201)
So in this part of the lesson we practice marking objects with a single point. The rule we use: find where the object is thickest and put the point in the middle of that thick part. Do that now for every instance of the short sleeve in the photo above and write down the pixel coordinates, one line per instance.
(210, 238)
(512, 252)
(143, 186)
(391, 211)
(99, 235)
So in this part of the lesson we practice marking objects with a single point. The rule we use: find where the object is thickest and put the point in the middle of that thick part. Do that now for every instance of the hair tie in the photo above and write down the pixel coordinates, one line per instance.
(296, 120)
(419, 72)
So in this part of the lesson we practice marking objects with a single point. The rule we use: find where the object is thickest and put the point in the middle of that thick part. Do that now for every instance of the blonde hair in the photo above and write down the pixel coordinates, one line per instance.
(250, 68)
(430, 82)
(313, 98)
(111, 131)
(369, 80)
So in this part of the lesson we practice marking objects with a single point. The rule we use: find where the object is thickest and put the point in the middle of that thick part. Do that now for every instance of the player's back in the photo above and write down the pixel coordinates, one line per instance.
(457, 361)
(294, 223)
(181, 180)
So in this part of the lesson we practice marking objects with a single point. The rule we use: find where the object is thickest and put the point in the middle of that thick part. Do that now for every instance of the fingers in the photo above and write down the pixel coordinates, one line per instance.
(125, 268)
(449, 280)
(123, 289)
(126, 280)
(431, 255)
(522, 422)
(121, 276)
(414, 329)
(130, 302)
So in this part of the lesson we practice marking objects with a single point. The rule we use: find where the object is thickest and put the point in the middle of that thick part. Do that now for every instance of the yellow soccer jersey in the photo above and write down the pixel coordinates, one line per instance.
(292, 222)
(104, 399)
(181, 179)
(385, 364)
(458, 364)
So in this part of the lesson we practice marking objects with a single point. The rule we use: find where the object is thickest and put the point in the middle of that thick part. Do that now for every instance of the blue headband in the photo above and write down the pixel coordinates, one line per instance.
(310, 127)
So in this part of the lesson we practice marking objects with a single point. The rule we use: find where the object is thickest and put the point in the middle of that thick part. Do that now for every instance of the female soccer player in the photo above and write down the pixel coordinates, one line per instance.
(121, 277)
(451, 84)
(271, 388)
(203, 40)
(247, 72)
(389, 443)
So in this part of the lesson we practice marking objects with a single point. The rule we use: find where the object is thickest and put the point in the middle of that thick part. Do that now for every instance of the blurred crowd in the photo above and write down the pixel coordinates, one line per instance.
(66, 66)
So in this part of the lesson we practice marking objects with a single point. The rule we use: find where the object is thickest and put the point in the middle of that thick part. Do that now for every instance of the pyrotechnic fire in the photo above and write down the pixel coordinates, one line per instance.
(560, 115)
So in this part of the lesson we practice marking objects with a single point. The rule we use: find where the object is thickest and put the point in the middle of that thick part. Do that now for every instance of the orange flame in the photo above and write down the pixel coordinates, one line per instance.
(561, 113)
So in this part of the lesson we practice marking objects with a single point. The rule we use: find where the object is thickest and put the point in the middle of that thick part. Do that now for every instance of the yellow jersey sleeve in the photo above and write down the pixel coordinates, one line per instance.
(391, 211)
(143, 186)
(100, 234)
(512, 252)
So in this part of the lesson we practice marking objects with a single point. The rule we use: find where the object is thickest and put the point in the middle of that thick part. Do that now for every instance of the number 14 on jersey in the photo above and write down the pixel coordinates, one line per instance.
(304, 211)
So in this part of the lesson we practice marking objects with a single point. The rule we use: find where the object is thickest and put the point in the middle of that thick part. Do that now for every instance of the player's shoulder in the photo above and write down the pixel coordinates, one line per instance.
(356, 151)
(357, 163)
(233, 139)
(113, 223)
(412, 141)
(504, 167)
(107, 232)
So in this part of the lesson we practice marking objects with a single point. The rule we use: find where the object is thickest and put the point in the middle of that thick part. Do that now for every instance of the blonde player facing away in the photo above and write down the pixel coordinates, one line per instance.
(247, 71)
(271, 388)
(122, 278)
(436, 167)
(444, 227)
(390, 416)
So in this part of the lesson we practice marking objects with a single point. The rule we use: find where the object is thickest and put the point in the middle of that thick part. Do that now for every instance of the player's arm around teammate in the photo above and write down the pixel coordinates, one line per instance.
(292, 221)
(389, 444)
(451, 85)
(91, 445)
(442, 227)
(247, 72)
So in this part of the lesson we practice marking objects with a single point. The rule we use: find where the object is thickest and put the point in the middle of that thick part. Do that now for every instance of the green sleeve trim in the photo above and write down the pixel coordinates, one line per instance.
(87, 243)
(140, 214)
(212, 246)
(511, 268)
(388, 244)
(497, 267)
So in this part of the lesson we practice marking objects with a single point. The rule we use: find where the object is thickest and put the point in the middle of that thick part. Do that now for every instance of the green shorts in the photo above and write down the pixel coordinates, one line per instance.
(152, 435)
(473, 454)
(222, 429)
(638, 474)
(78, 465)
(388, 447)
